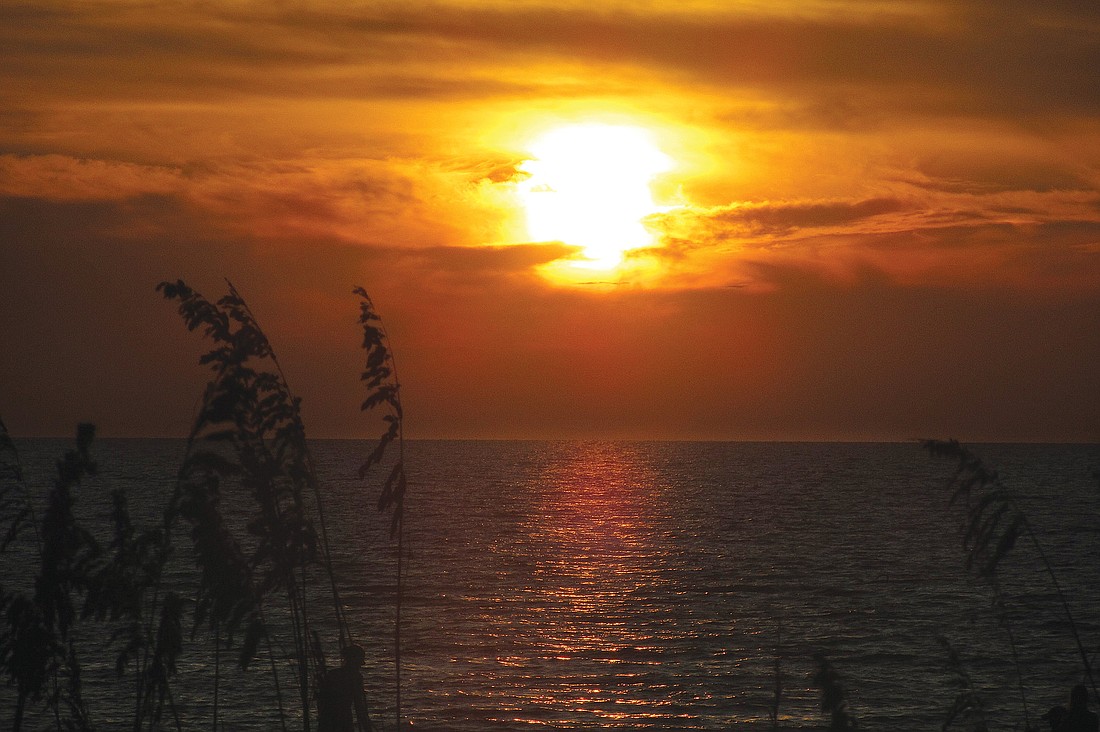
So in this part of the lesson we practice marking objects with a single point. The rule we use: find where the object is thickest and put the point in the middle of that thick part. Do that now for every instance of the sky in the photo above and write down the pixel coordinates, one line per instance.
(861, 220)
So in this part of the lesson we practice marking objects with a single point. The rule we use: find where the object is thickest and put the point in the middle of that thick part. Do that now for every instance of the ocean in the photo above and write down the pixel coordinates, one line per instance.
(666, 585)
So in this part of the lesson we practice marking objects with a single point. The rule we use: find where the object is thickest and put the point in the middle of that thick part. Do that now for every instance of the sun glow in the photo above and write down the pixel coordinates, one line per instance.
(589, 185)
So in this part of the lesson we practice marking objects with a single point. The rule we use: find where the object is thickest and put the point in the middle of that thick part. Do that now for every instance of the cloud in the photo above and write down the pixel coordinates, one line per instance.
(780, 218)
(938, 59)
(403, 203)
(1024, 240)
(61, 177)
(466, 261)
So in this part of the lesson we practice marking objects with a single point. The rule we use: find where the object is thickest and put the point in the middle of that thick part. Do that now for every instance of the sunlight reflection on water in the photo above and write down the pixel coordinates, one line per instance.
(597, 553)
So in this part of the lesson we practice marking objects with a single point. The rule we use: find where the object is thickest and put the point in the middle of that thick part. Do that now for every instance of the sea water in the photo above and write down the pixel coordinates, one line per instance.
(667, 585)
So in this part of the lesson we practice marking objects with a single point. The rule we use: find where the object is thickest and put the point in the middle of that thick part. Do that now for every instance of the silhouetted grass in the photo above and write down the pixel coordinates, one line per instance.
(384, 390)
(777, 678)
(249, 433)
(991, 523)
(38, 652)
(991, 526)
(249, 505)
(967, 708)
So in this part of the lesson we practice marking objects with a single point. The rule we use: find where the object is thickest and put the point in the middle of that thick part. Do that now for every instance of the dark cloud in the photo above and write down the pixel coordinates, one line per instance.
(942, 62)
(783, 218)
(516, 258)
(961, 172)
(946, 60)
(768, 219)
(1027, 241)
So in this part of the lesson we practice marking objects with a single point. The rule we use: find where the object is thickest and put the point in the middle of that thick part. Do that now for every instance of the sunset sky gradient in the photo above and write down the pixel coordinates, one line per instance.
(882, 220)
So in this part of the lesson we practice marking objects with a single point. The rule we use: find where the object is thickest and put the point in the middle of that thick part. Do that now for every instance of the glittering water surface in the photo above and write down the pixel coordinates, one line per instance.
(655, 585)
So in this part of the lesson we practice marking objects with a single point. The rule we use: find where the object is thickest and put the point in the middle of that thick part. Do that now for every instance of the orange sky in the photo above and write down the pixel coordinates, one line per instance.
(881, 221)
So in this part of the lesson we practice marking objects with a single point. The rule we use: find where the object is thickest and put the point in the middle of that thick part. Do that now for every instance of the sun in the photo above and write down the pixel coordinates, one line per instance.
(589, 185)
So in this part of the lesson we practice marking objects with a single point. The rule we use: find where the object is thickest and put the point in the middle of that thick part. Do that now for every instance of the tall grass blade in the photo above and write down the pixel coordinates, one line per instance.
(967, 708)
(992, 524)
(384, 390)
(249, 436)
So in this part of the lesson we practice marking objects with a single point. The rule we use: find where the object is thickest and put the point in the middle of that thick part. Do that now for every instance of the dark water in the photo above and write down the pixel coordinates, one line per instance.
(634, 586)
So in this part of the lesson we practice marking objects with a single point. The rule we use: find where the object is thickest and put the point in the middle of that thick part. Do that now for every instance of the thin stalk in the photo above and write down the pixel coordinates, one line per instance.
(148, 648)
(778, 676)
(274, 673)
(217, 670)
(397, 626)
(400, 563)
(17, 724)
(301, 640)
(154, 602)
(1064, 602)
(384, 387)
(1001, 609)
(138, 687)
(400, 533)
(56, 698)
(1019, 675)
(299, 623)
(175, 711)
(326, 554)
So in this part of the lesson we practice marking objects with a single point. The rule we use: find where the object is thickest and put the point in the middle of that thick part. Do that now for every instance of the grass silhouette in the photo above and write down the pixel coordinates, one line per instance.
(992, 523)
(246, 508)
(384, 390)
(38, 650)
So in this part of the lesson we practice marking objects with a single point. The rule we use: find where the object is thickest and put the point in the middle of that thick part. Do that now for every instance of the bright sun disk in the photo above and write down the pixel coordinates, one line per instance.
(589, 186)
